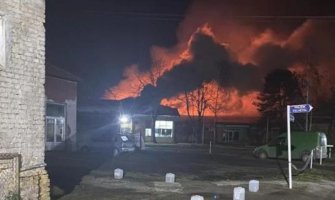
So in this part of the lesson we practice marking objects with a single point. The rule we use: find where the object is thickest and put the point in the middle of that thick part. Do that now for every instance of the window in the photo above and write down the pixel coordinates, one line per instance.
(163, 128)
(230, 135)
(2, 42)
(164, 124)
(236, 136)
(55, 129)
(148, 132)
(50, 126)
(55, 110)
(55, 123)
(163, 132)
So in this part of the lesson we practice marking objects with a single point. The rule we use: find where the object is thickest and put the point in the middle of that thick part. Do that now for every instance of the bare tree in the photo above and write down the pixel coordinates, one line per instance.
(197, 102)
(217, 105)
(151, 78)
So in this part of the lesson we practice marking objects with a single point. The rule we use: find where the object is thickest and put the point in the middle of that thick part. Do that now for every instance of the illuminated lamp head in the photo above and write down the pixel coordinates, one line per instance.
(124, 119)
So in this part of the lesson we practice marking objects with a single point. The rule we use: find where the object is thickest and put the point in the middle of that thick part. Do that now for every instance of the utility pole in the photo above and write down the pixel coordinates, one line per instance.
(310, 121)
(214, 132)
(203, 133)
(267, 130)
(307, 99)
(289, 158)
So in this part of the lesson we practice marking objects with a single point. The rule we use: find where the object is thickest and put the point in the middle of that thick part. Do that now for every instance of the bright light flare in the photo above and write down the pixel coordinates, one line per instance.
(124, 119)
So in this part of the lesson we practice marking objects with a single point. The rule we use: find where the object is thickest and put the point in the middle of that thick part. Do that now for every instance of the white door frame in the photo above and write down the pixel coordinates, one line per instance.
(50, 145)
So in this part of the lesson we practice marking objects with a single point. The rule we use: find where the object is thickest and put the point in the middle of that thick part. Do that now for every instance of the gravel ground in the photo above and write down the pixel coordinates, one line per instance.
(198, 172)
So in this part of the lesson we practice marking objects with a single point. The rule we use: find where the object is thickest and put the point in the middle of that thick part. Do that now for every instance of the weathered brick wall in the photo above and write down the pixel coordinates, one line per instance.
(22, 98)
(9, 174)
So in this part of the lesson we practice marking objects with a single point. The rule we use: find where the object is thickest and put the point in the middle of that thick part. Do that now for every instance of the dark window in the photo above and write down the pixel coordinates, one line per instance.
(55, 110)
(163, 132)
(236, 136)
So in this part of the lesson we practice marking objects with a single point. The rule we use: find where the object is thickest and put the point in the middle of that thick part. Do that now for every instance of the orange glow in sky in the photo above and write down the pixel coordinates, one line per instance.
(231, 103)
(242, 42)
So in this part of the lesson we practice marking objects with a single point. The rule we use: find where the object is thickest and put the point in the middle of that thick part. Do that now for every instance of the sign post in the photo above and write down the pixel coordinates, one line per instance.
(303, 108)
(289, 148)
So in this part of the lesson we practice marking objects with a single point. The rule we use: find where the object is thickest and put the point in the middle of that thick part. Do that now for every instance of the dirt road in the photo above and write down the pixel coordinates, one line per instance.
(198, 172)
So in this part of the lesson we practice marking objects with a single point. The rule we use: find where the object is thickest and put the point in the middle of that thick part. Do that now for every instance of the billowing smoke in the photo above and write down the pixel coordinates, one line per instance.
(236, 53)
(308, 51)
(209, 61)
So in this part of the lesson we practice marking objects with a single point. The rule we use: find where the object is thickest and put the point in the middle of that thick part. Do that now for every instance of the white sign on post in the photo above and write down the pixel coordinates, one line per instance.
(303, 108)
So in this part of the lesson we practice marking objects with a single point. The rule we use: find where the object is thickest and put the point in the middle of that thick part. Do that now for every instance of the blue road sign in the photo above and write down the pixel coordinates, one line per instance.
(302, 108)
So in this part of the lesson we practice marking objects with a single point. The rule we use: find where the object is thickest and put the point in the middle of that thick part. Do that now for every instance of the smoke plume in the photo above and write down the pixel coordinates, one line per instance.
(236, 53)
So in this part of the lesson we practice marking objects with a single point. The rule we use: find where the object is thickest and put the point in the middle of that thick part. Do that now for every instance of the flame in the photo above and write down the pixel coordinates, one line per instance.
(130, 86)
(228, 102)
(163, 60)
(242, 41)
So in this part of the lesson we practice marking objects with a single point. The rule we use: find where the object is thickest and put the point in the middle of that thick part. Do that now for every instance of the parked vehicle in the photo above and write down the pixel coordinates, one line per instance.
(302, 143)
(115, 143)
(123, 143)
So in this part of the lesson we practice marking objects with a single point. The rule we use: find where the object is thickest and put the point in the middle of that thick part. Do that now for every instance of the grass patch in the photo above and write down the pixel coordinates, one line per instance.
(310, 175)
(316, 175)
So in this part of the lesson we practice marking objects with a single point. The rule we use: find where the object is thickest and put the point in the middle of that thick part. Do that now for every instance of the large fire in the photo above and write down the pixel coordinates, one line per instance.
(265, 48)
(220, 102)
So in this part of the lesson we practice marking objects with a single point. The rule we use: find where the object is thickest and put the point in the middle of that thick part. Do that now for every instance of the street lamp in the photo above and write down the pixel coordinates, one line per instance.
(125, 124)
(124, 119)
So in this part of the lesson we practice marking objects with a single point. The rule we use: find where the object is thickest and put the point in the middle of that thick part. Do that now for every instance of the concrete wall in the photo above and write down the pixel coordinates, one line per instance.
(22, 98)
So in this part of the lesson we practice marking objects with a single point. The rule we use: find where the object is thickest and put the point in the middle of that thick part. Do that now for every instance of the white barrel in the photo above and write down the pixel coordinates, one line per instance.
(253, 186)
(169, 178)
(239, 193)
(197, 197)
(118, 173)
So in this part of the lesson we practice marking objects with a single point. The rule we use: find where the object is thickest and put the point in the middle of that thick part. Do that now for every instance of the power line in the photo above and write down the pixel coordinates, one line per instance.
(174, 16)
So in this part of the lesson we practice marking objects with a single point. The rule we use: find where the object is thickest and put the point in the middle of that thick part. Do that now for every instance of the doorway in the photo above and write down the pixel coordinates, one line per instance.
(55, 127)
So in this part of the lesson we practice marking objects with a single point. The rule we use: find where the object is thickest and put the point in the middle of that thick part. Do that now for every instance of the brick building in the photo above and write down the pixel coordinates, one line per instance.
(22, 100)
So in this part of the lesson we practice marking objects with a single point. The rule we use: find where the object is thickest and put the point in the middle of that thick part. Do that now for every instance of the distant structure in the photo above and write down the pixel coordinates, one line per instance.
(22, 100)
(164, 120)
(61, 109)
(104, 116)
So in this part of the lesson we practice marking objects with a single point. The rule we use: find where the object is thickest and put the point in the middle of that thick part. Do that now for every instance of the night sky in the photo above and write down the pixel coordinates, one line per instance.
(97, 39)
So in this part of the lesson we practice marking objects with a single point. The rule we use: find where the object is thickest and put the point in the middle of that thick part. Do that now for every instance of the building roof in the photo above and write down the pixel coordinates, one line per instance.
(161, 110)
(231, 120)
(165, 110)
(129, 106)
(57, 72)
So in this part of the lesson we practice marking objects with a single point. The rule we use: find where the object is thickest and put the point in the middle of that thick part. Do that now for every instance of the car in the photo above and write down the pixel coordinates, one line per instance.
(123, 143)
(107, 142)
(302, 143)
